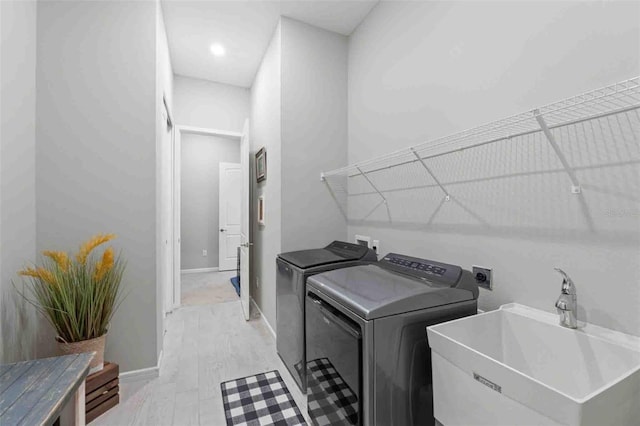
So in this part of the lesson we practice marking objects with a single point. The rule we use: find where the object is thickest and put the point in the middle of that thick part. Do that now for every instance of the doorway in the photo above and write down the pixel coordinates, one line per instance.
(209, 192)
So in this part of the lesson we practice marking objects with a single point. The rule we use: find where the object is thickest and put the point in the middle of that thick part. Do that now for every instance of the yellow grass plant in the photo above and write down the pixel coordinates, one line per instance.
(77, 294)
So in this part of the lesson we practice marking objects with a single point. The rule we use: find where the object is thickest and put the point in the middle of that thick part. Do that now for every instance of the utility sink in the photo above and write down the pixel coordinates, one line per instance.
(518, 366)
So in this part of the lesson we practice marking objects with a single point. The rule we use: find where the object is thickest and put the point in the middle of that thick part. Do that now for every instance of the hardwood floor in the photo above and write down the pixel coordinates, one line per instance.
(204, 346)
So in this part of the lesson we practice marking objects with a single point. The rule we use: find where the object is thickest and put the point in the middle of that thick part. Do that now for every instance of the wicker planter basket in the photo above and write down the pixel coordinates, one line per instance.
(92, 345)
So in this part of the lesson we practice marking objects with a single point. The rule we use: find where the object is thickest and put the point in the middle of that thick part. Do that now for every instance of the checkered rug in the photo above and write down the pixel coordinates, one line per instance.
(330, 400)
(262, 399)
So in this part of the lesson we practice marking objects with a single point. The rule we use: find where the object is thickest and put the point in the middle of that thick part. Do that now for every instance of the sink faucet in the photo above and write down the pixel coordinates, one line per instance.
(567, 303)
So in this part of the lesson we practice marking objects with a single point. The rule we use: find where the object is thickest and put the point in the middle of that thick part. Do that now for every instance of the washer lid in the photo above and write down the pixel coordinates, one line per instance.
(336, 252)
(374, 292)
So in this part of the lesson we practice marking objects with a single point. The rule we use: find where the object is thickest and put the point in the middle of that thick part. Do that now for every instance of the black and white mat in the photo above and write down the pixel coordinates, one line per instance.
(330, 400)
(262, 399)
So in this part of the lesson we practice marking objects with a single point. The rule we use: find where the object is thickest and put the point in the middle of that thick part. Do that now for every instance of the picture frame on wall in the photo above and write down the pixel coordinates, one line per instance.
(261, 210)
(261, 165)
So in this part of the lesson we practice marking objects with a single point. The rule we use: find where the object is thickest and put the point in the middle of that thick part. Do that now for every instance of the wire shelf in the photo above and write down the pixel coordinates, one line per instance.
(583, 143)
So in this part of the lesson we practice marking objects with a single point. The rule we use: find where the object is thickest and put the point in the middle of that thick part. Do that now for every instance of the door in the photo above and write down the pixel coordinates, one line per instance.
(334, 364)
(245, 233)
(229, 215)
(166, 210)
(177, 250)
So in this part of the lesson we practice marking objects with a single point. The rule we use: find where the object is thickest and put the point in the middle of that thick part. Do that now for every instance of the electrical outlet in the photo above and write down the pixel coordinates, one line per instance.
(483, 277)
(204, 252)
(376, 246)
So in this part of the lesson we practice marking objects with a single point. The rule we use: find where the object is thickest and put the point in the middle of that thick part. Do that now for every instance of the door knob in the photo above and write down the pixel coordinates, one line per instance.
(222, 230)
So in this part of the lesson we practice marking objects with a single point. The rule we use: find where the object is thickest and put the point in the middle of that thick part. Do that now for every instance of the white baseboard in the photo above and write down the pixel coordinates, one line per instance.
(142, 374)
(198, 270)
(264, 318)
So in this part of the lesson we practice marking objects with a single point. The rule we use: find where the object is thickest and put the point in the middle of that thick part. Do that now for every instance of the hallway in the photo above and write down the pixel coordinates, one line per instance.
(204, 346)
(205, 288)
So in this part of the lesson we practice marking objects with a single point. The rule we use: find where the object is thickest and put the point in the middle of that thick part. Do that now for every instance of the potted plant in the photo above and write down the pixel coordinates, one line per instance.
(78, 296)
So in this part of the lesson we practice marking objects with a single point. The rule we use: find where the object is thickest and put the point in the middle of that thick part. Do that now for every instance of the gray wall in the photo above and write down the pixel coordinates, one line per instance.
(202, 103)
(96, 150)
(422, 70)
(200, 192)
(314, 133)
(298, 112)
(19, 325)
(266, 132)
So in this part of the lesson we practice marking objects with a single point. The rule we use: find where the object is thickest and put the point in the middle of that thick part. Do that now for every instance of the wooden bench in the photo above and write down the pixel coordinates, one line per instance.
(35, 392)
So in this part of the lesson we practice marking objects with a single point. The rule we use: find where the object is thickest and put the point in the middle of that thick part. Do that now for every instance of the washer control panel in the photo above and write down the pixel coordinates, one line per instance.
(422, 268)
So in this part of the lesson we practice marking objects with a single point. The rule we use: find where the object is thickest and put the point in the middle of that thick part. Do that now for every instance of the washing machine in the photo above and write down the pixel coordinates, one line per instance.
(292, 271)
(368, 359)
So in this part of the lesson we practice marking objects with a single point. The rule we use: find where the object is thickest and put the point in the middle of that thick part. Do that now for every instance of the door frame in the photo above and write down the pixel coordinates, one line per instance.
(177, 202)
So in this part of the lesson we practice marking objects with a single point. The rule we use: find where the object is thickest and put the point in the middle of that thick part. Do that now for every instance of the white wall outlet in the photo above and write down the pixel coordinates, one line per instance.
(376, 246)
(204, 252)
(483, 277)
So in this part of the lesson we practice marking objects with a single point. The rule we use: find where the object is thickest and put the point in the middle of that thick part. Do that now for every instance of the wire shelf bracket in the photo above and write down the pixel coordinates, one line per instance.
(447, 197)
(575, 184)
(384, 199)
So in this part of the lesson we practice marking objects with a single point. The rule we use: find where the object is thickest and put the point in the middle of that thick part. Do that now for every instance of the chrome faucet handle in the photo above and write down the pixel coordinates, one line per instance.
(567, 283)
(563, 305)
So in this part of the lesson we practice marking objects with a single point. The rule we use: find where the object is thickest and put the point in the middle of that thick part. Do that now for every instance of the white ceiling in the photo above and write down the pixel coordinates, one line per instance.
(245, 29)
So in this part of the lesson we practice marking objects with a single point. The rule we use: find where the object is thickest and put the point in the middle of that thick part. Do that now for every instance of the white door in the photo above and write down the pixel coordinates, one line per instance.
(245, 234)
(177, 165)
(167, 219)
(166, 211)
(229, 212)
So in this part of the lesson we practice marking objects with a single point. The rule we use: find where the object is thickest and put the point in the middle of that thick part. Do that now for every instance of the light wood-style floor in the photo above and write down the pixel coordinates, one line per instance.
(205, 288)
(204, 346)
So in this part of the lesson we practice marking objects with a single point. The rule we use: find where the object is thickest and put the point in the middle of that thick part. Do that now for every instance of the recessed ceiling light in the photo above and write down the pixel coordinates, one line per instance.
(217, 49)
